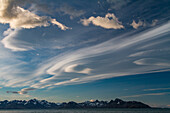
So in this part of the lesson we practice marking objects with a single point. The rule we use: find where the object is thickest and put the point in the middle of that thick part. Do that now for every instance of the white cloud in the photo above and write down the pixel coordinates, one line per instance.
(67, 82)
(154, 22)
(12, 69)
(66, 62)
(148, 94)
(71, 68)
(17, 17)
(10, 42)
(25, 90)
(156, 89)
(136, 25)
(153, 61)
(110, 21)
(61, 26)
(89, 57)
(85, 71)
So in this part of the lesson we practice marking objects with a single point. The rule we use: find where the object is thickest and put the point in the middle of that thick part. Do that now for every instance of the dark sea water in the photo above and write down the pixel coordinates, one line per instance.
(90, 111)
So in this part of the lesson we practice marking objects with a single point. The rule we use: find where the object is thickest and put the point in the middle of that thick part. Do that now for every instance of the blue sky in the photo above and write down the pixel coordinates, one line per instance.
(82, 50)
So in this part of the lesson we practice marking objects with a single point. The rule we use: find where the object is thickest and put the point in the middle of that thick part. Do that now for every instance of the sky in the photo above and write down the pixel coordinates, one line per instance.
(63, 50)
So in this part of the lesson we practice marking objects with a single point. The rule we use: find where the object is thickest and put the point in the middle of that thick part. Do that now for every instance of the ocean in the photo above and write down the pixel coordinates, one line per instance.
(90, 111)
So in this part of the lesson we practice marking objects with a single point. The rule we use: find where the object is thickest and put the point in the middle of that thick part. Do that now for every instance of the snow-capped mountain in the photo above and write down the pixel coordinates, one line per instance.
(43, 104)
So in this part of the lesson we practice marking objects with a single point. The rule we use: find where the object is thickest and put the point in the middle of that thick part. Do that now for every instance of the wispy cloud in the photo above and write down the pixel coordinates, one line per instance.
(12, 68)
(87, 64)
(117, 4)
(148, 94)
(10, 41)
(23, 91)
(152, 61)
(69, 10)
(60, 64)
(156, 89)
(71, 68)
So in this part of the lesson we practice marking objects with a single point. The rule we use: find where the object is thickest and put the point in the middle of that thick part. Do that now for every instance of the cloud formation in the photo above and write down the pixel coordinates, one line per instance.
(68, 10)
(97, 61)
(152, 61)
(23, 91)
(136, 25)
(156, 89)
(71, 68)
(110, 21)
(117, 4)
(57, 66)
(63, 68)
(140, 23)
(148, 94)
(10, 41)
(17, 17)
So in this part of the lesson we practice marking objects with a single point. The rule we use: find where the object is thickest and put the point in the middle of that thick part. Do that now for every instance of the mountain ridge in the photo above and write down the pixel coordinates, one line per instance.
(43, 104)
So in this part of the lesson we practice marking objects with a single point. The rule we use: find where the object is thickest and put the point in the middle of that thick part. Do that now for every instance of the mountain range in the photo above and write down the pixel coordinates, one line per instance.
(43, 104)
